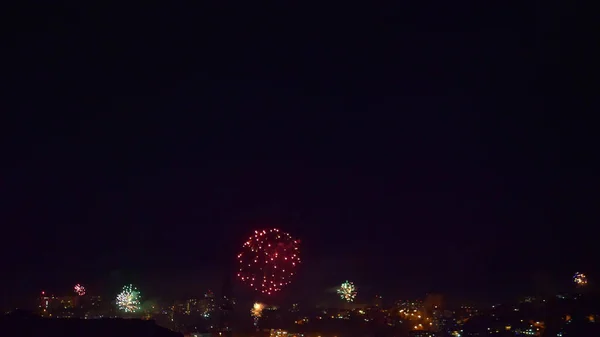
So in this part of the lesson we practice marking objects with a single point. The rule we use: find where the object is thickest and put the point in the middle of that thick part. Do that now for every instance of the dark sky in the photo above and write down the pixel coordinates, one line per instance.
(411, 149)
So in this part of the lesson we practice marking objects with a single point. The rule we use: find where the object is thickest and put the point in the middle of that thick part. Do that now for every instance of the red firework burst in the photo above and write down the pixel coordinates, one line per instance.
(268, 260)
(79, 289)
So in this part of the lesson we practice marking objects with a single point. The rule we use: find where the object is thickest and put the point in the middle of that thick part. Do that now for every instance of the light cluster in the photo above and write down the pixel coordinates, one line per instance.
(210, 307)
(580, 279)
(257, 309)
(79, 289)
(347, 291)
(256, 312)
(268, 260)
(128, 299)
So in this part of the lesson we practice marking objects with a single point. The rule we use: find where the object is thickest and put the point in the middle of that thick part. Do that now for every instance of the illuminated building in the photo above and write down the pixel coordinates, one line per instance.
(278, 333)
(200, 334)
(54, 306)
(378, 301)
(226, 307)
(91, 307)
(95, 301)
(433, 302)
(409, 305)
(466, 312)
(421, 333)
(44, 304)
(189, 307)
(207, 305)
(178, 307)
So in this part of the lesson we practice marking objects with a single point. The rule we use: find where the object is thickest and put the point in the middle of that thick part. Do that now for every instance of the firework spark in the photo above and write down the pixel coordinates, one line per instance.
(580, 279)
(268, 260)
(129, 299)
(347, 291)
(79, 289)
(256, 312)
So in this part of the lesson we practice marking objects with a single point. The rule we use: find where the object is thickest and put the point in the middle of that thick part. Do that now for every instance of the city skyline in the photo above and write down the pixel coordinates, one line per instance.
(453, 266)
(430, 315)
(323, 293)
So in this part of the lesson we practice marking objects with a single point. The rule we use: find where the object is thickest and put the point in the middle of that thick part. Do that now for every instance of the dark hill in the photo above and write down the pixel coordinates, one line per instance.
(27, 325)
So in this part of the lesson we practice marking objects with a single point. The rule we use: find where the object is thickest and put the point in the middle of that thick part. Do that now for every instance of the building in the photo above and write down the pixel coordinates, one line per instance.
(378, 301)
(207, 304)
(44, 304)
(226, 306)
(57, 306)
(94, 301)
(421, 333)
(409, 305)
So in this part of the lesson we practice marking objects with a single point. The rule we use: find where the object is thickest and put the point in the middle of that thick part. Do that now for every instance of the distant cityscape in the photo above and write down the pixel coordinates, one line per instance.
(267, 263)
(571, 314)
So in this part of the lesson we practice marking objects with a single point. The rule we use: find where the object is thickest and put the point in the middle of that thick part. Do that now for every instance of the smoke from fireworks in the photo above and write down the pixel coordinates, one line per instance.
(268, 260)
(347, 291)
(128, 299)
(79, 289)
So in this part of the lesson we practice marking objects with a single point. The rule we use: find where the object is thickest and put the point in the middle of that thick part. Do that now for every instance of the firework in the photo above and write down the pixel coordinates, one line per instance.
(580, 279)
(268, 260)
(129, 299)
(79, 289)
(256, 312)
(347, 291)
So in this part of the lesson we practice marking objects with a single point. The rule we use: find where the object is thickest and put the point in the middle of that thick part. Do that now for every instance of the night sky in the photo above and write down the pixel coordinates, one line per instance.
(411, 150)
